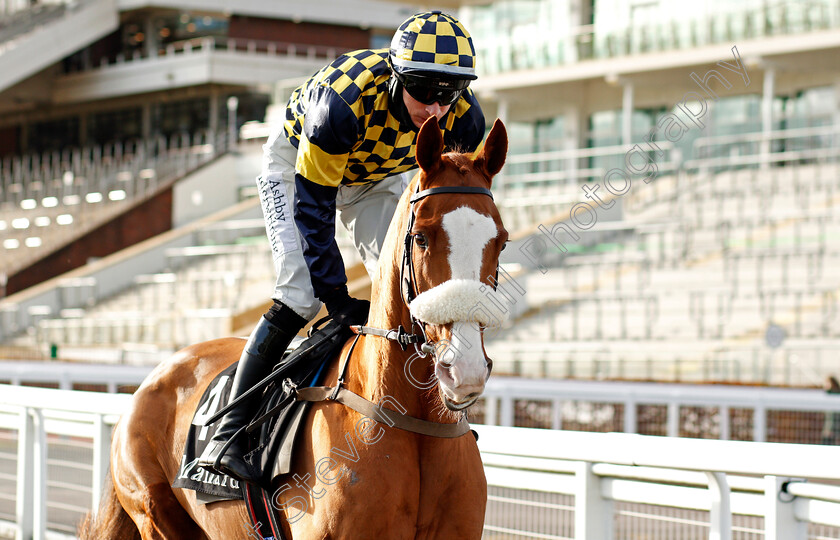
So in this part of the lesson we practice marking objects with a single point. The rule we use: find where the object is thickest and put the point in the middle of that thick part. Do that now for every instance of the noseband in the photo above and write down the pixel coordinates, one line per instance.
(408, 279)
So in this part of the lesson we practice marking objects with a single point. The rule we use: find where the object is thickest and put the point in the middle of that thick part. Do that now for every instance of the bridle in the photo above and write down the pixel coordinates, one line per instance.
(408, 279)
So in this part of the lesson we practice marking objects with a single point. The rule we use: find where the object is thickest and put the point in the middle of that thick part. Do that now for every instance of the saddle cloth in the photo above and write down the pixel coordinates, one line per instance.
(271, 435)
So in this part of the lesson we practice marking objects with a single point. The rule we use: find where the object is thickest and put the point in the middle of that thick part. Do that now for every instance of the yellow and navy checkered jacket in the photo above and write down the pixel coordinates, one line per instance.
(345, 133)
(340, 122)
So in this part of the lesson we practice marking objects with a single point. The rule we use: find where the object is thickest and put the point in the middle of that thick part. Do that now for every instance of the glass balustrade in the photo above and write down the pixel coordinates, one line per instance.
(513, 35)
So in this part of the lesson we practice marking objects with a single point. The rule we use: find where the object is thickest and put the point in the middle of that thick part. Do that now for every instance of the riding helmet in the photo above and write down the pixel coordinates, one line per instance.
(433, 43)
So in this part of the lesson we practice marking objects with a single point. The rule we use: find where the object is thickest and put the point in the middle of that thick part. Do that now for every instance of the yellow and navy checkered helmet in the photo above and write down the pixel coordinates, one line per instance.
(433, 44)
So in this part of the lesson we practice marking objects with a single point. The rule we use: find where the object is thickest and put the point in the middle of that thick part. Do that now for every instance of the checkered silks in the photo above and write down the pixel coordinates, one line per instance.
(345, 134)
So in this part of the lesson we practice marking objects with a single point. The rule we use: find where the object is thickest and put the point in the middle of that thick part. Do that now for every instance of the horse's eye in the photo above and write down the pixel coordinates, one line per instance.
(504, 246)
(421, 240)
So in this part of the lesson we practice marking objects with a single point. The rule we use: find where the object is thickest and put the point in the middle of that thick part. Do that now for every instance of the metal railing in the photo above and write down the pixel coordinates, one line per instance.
(51, 198)
(84, 415)
(20, 22)
(789, 146)
(620, 482)
(676, 410)
(203, 45)
(73, 376)
(572, 167)
(635, 487)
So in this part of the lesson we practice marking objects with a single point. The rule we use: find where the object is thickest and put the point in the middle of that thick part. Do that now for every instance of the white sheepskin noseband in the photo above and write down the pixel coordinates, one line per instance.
(460, 300)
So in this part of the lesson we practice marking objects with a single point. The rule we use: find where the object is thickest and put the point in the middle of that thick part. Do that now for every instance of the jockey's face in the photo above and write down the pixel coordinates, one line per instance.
(420, 112)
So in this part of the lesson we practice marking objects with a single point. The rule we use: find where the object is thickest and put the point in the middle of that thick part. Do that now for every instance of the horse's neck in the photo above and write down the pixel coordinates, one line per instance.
(379, 365)
(378, 370)
(379, 373)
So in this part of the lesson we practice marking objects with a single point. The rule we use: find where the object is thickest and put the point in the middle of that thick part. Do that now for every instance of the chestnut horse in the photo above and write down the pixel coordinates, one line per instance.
(354, 478)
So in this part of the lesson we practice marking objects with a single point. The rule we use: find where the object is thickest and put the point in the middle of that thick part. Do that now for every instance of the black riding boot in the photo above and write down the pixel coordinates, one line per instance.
(264, 348)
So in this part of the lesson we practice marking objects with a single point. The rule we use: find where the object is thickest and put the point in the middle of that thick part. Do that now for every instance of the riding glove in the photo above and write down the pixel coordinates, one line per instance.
(345, 309)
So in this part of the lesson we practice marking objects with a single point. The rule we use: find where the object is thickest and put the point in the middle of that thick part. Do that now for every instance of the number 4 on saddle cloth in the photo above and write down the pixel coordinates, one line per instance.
(271, 434)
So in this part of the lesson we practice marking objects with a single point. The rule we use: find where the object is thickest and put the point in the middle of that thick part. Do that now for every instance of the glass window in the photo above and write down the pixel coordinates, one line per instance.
(169, 28)
(183, 117)
(379, 40)
(54, 135)
(112, 126)
(517, 34)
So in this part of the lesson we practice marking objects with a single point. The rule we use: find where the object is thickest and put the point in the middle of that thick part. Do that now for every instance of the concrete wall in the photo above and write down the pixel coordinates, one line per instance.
(216, 186)
(286, 31)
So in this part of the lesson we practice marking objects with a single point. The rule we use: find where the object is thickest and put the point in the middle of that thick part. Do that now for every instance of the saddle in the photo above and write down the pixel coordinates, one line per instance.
(272, 433)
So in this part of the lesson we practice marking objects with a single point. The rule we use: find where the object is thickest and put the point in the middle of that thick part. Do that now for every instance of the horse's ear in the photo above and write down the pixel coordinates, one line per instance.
(492, 156)
(429, 145)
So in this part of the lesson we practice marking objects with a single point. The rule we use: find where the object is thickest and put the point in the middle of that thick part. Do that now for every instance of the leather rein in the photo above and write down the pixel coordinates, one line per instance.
(423, 347)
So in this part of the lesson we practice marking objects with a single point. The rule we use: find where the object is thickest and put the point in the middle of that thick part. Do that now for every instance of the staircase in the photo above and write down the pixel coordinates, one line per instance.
(33, 40)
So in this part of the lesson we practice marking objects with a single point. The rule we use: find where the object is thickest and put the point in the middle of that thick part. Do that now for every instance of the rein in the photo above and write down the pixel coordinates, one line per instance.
(381, 414)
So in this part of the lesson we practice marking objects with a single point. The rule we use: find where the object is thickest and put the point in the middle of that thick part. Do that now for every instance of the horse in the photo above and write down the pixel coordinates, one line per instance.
(353, 477)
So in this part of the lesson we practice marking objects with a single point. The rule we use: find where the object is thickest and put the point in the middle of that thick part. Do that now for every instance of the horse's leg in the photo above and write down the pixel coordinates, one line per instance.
(452, 475)
(141, 484)
(158, 515)
(110, 520)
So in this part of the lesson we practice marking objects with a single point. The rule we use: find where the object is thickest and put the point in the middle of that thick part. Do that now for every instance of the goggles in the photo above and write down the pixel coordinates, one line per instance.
(429, 90)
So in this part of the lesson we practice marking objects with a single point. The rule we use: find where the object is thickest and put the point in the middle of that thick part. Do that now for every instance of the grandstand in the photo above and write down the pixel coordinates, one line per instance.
(717, 241)
(694, 277)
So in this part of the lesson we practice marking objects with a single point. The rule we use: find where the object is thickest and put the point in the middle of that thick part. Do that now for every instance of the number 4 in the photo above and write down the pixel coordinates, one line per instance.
(209, 407)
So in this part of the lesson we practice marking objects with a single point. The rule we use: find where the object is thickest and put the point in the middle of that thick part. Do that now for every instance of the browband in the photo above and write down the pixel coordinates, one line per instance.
(450, 189)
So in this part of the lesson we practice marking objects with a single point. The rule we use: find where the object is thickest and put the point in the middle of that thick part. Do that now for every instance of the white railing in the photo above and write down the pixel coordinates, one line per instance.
(605, 472)
(571, 167)
(35, 413)
(67, 376)
(795, 145)
(615, 406)
(568, 168)
(204, 45)
(602, 472)
(558, 404)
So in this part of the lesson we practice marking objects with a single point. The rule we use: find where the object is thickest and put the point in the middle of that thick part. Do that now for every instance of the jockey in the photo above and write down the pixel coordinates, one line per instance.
(349, 135)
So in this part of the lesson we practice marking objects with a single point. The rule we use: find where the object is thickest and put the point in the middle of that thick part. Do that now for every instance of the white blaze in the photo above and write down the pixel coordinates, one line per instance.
(462, 373)
(468, 233)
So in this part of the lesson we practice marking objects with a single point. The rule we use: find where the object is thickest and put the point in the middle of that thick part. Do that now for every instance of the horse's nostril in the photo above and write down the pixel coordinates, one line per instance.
(456, 377)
